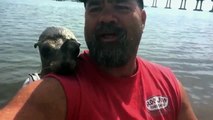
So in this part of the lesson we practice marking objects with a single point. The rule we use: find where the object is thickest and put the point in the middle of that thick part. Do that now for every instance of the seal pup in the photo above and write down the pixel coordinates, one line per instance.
(59, 49)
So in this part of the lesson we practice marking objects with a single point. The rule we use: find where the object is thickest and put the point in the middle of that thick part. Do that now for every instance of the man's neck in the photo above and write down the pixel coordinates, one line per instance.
(127, 70)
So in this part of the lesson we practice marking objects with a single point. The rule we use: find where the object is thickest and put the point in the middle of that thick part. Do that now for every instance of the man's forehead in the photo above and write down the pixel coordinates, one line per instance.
(139, 2)
(108, 0)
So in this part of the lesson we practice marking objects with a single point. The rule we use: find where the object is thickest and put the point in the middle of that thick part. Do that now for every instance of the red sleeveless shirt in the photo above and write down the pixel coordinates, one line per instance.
(152, 93)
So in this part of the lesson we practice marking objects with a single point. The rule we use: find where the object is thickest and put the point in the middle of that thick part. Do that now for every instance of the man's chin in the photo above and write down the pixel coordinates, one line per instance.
(108, 59)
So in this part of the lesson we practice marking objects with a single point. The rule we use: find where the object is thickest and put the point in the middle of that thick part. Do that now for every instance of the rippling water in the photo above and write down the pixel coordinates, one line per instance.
(182, 40)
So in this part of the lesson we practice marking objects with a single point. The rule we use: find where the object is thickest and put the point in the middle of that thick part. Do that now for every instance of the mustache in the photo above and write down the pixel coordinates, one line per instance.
(109, 28)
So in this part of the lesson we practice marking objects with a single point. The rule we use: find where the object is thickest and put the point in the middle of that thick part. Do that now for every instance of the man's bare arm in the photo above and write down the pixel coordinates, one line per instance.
(41, 100)
(186, 111)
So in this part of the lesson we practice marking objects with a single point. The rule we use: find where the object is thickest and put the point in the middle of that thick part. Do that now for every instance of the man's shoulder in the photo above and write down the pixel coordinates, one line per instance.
(63, 79)
(152, 65)
(69, 83)
(49, 94)
(48, 89)
(159, 73)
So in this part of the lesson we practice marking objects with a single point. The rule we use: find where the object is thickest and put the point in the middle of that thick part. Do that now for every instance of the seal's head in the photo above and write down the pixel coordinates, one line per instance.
(52, 56)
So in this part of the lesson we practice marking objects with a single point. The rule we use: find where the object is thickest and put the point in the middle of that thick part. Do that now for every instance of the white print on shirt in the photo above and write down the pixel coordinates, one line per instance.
(157, 103)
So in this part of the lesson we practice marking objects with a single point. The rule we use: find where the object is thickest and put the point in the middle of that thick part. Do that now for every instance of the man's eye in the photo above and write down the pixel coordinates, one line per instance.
(122, 8)
(94, 9)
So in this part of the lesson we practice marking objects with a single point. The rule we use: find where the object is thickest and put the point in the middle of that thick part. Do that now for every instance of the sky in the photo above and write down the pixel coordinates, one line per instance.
(175, 4)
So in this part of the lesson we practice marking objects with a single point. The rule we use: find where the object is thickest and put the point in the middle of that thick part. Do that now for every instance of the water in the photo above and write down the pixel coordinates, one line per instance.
(181, 40)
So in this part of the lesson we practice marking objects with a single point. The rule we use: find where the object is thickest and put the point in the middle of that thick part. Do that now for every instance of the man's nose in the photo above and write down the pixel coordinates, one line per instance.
(108, 16)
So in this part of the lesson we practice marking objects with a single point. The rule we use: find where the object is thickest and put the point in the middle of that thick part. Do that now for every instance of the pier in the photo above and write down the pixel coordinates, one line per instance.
(198, 6)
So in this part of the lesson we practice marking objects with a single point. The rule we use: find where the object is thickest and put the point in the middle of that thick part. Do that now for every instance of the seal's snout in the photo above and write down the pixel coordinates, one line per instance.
(69, 52)
(71, 47)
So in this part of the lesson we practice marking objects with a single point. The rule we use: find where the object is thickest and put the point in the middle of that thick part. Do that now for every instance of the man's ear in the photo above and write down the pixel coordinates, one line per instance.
(143, 17)
(142, 26)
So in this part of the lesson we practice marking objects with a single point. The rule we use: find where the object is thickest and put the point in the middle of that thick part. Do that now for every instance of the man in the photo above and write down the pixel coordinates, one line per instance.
(110, 82)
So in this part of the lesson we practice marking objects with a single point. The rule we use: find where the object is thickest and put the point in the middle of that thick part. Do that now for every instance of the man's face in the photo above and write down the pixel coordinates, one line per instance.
(113, 30)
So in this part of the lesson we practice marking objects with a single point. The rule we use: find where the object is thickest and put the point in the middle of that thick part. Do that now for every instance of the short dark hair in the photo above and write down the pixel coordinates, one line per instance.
(140, 3)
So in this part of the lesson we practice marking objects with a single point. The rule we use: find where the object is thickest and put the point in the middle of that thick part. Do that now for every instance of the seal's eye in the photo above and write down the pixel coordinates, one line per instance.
(47, 52)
